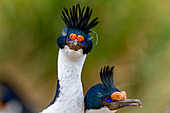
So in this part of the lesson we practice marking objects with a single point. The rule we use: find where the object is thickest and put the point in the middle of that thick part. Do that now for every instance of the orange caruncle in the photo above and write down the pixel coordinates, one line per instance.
(73, 36)
(80, 38)
(117, 96)
(123, 94)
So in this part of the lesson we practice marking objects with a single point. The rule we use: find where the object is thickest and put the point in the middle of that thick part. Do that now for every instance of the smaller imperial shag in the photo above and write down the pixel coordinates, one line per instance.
(106, 98)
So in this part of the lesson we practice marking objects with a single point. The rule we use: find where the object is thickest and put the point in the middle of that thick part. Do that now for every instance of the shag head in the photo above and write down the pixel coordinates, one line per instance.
(10, 102)
(106, 96)
(76, 34)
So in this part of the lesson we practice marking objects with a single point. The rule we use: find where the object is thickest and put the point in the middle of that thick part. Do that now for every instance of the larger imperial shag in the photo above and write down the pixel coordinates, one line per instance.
(74, 44)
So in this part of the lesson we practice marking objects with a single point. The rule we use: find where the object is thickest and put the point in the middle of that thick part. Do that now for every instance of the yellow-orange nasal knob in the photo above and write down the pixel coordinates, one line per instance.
(73, 36)
(80, 38)
(116, 96)
(123, 94)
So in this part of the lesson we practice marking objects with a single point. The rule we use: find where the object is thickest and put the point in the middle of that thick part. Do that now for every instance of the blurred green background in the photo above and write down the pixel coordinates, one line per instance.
(134, 36)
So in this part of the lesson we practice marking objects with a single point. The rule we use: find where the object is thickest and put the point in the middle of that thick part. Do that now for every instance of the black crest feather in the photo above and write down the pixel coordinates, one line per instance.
(106, 76)
(78, 19)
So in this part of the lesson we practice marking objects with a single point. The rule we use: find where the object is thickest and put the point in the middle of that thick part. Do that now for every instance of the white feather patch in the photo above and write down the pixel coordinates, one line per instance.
(71, 99)
(101, 110)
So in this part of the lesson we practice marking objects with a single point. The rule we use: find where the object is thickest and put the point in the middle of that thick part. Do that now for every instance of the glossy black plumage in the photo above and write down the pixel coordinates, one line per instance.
(77, 18)
(106, 76)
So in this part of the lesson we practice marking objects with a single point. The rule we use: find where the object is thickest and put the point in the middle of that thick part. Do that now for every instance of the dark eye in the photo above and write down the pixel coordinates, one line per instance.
(107, 99)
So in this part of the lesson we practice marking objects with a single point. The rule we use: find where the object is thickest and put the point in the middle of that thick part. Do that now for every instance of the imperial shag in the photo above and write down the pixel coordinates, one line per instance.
(106, 97)
(74, 44)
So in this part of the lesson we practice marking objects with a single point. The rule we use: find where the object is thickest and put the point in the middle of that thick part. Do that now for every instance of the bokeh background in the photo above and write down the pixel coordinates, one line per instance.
(134, 36)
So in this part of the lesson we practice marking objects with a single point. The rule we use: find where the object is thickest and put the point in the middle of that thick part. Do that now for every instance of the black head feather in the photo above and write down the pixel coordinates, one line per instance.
(76, 18)
(106, 76)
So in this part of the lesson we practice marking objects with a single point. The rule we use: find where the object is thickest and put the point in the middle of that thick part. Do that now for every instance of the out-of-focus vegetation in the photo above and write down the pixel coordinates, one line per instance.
(134, 36)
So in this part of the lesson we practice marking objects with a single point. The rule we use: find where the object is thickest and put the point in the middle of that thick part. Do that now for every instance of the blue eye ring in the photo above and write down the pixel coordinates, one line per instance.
(68, 39)
(107, 99)
(83, 42)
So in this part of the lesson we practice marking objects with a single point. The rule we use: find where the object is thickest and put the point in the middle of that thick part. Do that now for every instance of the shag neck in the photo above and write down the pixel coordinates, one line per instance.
(70, 98)
(70, 62)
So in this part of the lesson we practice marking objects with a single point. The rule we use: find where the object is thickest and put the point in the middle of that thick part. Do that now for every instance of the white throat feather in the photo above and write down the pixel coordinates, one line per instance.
(70, 99)
(101, 110)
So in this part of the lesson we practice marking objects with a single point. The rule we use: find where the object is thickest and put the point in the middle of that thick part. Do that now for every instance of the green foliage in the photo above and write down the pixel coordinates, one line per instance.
(133, 36)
